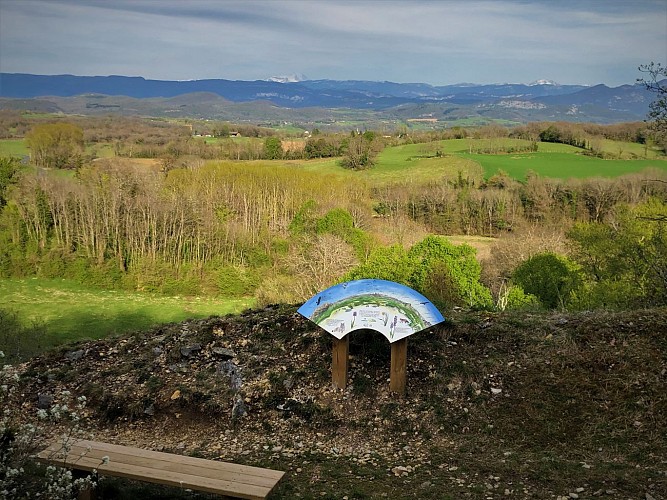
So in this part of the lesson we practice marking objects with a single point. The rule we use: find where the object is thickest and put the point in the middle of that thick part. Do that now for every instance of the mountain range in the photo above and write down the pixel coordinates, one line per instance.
(293, 99)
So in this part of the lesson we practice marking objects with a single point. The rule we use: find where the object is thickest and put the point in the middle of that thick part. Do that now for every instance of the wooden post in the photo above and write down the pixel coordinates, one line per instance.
(339, 362)
(399, 364)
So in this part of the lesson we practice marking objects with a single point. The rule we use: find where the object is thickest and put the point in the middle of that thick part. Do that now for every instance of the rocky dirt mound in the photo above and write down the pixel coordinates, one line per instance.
(502, 405)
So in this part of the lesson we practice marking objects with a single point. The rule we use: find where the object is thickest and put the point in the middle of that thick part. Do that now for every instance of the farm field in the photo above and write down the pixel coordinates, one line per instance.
(17, 147)
(13, 147)
(560, 165)
(417, 163)
(70, 311)
(401, 166)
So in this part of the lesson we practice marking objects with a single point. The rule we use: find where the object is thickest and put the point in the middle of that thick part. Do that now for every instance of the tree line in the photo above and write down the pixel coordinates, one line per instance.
(280, 233)
(471, 205)
(74, 141)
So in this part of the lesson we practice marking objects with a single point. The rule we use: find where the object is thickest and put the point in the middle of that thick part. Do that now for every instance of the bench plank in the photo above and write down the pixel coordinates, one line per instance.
(171, 462)
(223, 478)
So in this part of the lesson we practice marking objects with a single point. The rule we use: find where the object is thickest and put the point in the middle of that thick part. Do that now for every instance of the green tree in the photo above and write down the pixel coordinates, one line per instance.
(440, 261)
(340, 222)
(56, 145)
(624, 263)
(552, 278)
(445, 273)
(9, 168)
(273, 148)
(386, 263)
(337, 221)
(304, 221)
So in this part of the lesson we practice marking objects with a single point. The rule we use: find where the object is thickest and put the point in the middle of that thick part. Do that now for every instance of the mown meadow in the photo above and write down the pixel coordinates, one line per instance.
(59, 311)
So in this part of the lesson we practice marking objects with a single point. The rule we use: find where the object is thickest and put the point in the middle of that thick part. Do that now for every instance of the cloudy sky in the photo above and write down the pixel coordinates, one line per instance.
(432, 41)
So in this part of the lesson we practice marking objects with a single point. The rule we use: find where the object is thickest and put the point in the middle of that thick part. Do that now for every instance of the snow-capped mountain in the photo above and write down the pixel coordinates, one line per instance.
(293, 78)
(542, 82)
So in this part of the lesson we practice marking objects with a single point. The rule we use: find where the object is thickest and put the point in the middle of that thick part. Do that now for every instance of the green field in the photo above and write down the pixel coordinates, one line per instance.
(17, 147)
(407, 163)
(70, 311)
(417, 162)
(13, 147)
(561, 165)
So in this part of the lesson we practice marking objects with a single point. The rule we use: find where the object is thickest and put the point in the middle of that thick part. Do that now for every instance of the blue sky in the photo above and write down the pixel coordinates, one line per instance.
(432, 41)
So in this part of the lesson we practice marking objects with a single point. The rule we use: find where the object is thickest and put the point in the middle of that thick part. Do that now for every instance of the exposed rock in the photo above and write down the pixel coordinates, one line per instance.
(230, 370)
(186, 352)
(223, 352)
(239, 409)
(75, 355)
(44, 401)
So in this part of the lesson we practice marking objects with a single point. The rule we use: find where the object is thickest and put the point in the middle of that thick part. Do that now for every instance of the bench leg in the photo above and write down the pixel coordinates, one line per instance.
(85, 493)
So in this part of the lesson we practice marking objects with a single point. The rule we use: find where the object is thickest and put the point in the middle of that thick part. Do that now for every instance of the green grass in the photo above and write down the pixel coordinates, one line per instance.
(629, 150)
(13, 147)
(417, 163)
(70, 311)
(17, 147)
(410, 162)
(101, 150)
(560, 165)
(554, 160)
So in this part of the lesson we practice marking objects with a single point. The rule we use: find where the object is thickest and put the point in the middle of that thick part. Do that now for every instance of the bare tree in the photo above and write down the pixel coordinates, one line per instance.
(656, 82)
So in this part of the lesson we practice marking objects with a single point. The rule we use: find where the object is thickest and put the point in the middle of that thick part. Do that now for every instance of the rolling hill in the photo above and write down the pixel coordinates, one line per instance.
(311, 100)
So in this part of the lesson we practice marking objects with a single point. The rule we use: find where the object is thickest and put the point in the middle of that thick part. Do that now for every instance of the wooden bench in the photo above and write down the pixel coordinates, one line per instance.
(222, 478)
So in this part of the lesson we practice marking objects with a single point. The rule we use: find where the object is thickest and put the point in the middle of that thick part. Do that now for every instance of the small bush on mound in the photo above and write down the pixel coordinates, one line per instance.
(445, 273)
(456, 264)
(552, 278)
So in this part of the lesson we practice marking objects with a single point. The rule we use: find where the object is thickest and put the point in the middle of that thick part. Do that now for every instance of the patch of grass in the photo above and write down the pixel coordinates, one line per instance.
(422, 163)
(69, 311)
(13, 147)
(560, 165)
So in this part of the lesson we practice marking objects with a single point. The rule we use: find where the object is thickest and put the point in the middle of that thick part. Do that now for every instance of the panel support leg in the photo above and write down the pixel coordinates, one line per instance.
(399, 364)
(340, 360)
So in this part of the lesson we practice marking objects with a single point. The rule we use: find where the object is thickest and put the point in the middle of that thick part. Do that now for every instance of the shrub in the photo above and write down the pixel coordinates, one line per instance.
(386, 263)
(19, 441)
(304, 221)
(445, 273)
(337, 221)
(552, 278)
(235, 281)
(463, 269)
(514, 298)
